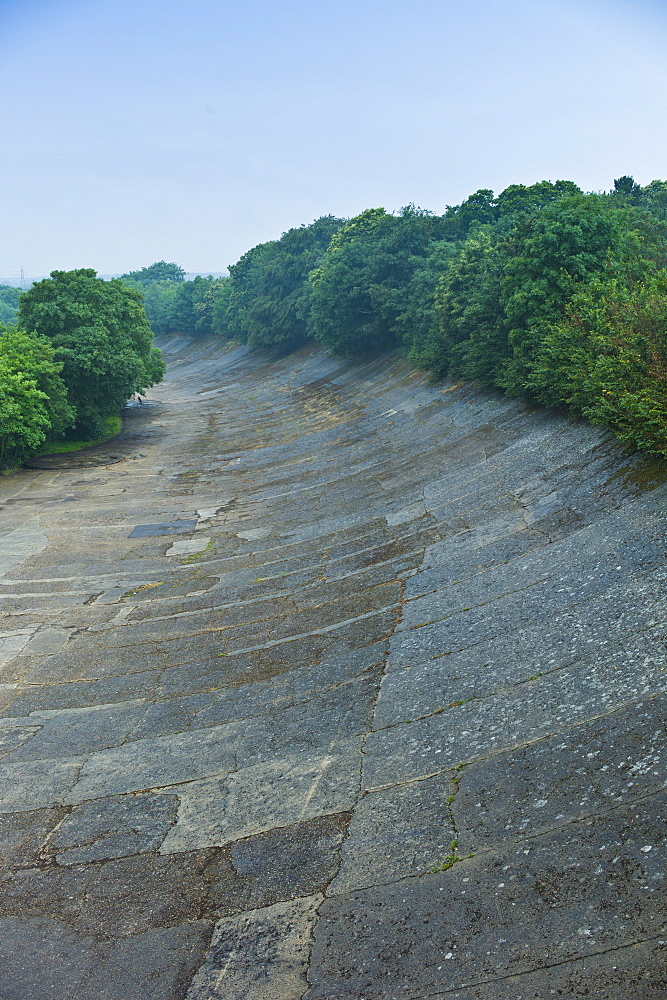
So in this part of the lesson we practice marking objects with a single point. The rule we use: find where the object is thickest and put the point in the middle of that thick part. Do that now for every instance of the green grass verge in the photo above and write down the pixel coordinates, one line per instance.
(112, 428)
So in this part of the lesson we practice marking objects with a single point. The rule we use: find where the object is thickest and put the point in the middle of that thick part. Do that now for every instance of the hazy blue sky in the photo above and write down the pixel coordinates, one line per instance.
(136, 130)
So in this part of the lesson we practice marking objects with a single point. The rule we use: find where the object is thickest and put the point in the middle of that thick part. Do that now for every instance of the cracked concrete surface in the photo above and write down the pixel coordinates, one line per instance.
(323, 683)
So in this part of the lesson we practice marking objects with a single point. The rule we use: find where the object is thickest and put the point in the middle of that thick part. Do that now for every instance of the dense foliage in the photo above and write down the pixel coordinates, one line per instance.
(82, 347)
(101, 337)
(9, 303)
(33, 396)
(161, 270)
(545, 292)
(172, 304)
(267, 300)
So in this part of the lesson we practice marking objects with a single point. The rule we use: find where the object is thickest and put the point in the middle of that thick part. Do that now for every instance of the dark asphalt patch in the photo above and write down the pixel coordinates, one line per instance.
(167, 528)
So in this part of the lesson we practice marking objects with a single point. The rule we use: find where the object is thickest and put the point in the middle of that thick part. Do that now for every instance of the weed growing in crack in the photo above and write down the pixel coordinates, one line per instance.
(453, 704)
(453, 857)
(138, 590)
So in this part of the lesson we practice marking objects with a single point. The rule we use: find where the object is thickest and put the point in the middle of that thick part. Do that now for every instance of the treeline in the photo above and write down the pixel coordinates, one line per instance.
(174, 305)
(550, 294)
(80, 348)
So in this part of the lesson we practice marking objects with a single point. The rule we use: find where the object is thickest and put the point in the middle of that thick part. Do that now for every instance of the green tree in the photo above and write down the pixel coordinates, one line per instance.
(416, 323)
(192, 307)
(9, 303)
(607, 359)
(472, 337)
(653, 199)
(267, 301)
(343, 314)
(33, 397)
(361, 289)
(203, 302)
(159, 299)
(220, 317)
(159, 271)
(626, 186)
(549, 254)
(478, 209)
(101, 336)
(519, 200)
(511, 281)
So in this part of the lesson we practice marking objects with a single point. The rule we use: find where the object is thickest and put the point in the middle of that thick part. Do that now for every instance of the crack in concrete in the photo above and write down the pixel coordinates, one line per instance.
(514, 746)
(359, 795)
(537, 968)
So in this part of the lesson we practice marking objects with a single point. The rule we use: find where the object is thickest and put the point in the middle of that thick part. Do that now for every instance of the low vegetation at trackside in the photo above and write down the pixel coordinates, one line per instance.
(545, 292)
(79, 349)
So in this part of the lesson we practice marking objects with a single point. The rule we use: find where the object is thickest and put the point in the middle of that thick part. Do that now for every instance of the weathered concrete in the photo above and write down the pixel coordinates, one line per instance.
(322, 683)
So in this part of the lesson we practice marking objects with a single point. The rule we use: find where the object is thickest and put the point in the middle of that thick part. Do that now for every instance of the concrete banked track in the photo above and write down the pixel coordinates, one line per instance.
(379, 717)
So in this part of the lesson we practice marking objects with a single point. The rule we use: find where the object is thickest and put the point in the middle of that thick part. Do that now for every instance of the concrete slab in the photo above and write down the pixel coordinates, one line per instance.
(155, 763)
(632, 976)
(264, 797)
(113, 827)
(260, 955)
(398, 832)
(468, 729)
(155, 963)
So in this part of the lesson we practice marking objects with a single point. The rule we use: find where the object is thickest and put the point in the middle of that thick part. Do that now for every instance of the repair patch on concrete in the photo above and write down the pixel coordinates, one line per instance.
(188, 547)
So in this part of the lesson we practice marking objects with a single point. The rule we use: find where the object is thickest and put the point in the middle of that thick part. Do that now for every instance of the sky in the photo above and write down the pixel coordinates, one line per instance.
(138, 130)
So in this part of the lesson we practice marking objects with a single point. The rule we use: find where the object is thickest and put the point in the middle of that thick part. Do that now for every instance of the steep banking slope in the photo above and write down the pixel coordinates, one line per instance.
(336, 685)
